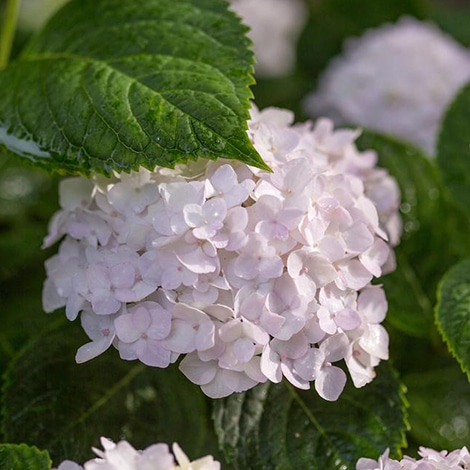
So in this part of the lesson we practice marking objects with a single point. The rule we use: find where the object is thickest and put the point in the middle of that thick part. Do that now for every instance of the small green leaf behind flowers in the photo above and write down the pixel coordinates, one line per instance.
(453, 312)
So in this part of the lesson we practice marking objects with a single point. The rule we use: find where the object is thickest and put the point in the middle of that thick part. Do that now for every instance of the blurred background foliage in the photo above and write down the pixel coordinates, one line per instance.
(438, 393)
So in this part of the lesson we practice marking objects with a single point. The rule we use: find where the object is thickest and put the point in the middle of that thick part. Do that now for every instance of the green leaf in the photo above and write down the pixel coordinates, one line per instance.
(52, 402)
(22, 457)
(425, 252)
(453, 312)
(439, 412)
(116, 85)
(453, 149)
(279, 427)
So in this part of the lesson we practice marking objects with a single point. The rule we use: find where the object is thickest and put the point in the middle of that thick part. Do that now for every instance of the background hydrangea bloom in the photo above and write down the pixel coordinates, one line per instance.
(274, 29)
(253, 275)
(397, 78)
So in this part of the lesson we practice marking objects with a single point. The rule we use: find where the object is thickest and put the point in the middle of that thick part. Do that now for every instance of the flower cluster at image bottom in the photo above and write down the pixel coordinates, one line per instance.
(430, 460)
(252, 275)
(122, 456)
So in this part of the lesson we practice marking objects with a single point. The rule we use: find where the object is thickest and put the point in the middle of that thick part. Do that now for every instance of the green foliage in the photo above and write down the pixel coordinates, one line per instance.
(56, 404)
(279, 427)
(453, 312)
(152, 82)
(453, 151)
(425, 253)
(439, 411)
(22, 457)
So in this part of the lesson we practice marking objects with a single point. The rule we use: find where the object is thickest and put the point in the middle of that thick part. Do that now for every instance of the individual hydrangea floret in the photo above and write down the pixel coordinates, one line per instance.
(275, 26)
(397, 79)
(430, 460)
(122, 456)
(252, 275)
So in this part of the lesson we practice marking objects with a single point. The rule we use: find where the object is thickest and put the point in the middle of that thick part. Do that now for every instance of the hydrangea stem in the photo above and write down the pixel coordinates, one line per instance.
(7, 31)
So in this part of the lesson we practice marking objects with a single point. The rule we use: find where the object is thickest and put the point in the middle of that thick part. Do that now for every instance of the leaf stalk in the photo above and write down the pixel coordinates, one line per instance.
(7, 32)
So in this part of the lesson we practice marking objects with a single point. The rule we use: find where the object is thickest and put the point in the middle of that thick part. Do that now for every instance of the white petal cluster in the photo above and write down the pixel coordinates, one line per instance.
(275, 26)
(252, 275)
(430, 460)
(397, 79)
(122, 456)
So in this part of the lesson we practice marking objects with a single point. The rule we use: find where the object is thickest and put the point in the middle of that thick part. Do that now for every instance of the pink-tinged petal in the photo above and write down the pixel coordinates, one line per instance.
(373, 304)
(172, 278)
(75, 193)
(104, 303)
(182, 338)
(271, 268)
(205, 336)
(347, 319)
(51, 300)
(197, 262)
(320, 270)
(295, 380)
(155, 355)
(93, 349)
(243, 350)
(271, 364)
(141, 319)
(217, 388)
(231, 330)
(214, 210)
(253, 370)
(335, 348)
(358, 238)
(353, 275)
(193, 215)
(272, 322)
(224, 179)
(246, 267)
(375, 257)
(74, 304)
(122, 275)
(98, 277)
(332, 248)
(125, 328)
(375, 341)
(330, 383)
(236, 381)
(198, 372)
(127, 351)
(157, 456)
(307, 365)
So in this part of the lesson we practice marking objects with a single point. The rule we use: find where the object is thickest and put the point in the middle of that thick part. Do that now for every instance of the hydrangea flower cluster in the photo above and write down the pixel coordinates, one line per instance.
(253, 275)
(397, 78)
(122, 456)
(275, 26)
(430, 460)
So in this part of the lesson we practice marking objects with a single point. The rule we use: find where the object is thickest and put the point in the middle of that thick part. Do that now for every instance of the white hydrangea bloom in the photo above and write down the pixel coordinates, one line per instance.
(397, 79)
(430, 460)
(122, 456)
(275, 26)
(255, 276)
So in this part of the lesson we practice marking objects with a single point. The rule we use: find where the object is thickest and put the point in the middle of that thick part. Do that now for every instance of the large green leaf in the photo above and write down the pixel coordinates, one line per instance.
(439, 412)
(52, 402)
(114, 85)
(453, 150)
(426, 251)
(279, 427)
(22, 457)
(453, 312)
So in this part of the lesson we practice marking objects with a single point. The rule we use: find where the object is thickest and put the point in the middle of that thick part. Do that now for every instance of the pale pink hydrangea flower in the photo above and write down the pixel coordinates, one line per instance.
(430, 460)
(123, 456)
(274, 29)
(253, 275)
(397, 78)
